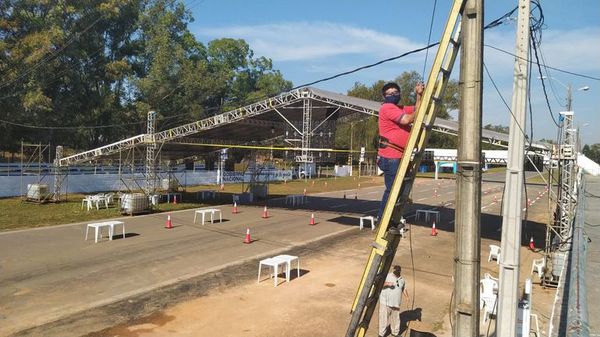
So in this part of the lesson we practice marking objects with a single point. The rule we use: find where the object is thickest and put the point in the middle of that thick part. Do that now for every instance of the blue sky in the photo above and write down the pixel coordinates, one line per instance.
(309, 40)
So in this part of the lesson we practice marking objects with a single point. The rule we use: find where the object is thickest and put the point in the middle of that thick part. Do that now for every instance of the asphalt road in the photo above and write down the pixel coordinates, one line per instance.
(50, 274)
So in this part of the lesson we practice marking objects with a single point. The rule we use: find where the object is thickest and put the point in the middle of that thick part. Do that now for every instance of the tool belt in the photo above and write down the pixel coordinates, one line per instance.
(384, 142)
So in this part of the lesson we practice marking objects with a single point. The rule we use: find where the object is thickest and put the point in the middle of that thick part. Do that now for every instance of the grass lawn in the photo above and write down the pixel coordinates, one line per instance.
(16, 214)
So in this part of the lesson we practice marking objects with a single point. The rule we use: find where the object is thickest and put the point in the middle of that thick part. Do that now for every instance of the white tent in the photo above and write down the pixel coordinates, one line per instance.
(588, 165)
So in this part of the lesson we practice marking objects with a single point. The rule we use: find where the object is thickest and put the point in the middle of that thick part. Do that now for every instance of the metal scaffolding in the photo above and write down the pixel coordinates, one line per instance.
(150, 186)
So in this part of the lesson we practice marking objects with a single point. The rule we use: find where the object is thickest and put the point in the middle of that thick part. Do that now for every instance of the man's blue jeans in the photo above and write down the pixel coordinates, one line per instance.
(389, 168)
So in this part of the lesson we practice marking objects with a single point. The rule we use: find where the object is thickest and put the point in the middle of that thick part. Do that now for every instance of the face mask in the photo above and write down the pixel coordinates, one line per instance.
(394, 99)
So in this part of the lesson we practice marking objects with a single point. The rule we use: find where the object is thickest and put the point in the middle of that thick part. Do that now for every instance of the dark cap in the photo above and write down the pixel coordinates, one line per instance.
(397, 269)
(389, 85)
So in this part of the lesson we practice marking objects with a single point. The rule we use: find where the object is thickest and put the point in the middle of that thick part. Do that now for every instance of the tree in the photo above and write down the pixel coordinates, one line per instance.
(98, 66)
(592, 152)
(63, 64)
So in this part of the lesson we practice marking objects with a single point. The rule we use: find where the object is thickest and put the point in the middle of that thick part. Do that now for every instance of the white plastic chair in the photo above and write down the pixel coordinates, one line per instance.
(88, 201)
(538, 266)
(495, 279)
(534, 317)
(494, 253)
(487, 297)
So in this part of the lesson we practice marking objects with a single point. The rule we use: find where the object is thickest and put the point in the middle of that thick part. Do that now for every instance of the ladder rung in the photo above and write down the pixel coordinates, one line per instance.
(446, 72)
(454, 42)
(436, 99)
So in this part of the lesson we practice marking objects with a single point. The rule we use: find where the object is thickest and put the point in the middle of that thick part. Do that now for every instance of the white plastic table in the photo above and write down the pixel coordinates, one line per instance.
(203, 195)
(368, 218)
(294, 199)
(288, 259)
(98, 229)
(174, 195)
(426, 213)
(274, 264)
(212, 212)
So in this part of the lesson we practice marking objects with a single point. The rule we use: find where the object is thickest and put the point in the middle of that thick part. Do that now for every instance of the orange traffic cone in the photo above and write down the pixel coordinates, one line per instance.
(312, 219)
(433, 230)
(304, 191)
(265, 213)
(175, 199)
(169, 224)
(531, 244)
(235, 210)
(247, 239)
(222, 187)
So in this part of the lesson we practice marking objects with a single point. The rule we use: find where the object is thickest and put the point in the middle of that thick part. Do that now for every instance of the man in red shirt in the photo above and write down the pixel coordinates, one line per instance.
(394, 129)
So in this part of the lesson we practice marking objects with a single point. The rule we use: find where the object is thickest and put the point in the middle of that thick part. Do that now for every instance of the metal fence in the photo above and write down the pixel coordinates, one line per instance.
(577, 324)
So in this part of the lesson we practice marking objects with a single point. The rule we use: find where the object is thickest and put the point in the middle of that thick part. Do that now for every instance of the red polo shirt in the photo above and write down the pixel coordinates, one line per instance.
(390, 128)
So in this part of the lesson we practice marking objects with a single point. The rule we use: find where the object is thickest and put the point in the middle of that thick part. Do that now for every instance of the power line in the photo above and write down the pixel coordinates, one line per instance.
(546, 66)
(52, 55)
(535, 52)
(365, 67)
(429, 37)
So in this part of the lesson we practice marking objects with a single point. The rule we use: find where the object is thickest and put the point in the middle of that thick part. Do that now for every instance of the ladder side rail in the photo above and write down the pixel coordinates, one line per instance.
(372, 281)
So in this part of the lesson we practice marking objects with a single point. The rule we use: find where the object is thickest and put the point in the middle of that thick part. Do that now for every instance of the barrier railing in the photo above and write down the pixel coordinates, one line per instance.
(577, 314)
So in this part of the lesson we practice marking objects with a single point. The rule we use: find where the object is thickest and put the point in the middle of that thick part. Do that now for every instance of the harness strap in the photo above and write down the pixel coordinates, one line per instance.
(384, 142)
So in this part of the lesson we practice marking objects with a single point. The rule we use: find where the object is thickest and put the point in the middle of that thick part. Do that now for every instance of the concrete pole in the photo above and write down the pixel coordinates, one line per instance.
(468, 210)
(513, 190)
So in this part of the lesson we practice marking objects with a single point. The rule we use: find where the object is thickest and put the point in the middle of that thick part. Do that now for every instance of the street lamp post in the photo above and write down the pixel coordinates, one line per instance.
(569, 88)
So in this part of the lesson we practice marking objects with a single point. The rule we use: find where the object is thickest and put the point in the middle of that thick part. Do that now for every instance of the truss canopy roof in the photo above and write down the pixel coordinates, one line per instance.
(279, 116)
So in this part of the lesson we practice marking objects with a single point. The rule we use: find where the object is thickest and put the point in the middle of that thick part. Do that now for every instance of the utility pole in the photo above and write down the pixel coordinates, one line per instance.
(468, 209)
(513, 189)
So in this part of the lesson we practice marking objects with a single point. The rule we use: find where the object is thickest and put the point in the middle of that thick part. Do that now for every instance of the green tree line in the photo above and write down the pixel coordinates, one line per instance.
(87, 72)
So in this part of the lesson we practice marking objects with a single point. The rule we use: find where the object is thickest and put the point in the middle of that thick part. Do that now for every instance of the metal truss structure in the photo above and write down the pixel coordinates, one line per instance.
(308, 99)
(567, 198)
(150, 186)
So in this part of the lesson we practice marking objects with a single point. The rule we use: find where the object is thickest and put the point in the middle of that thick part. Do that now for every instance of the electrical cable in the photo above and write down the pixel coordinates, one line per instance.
(365, 66)
(533, 44)
(429, 38)
(52, 55)
(547, 66)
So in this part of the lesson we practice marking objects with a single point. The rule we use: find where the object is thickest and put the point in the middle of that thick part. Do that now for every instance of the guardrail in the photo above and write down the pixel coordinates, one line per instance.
(577, 313)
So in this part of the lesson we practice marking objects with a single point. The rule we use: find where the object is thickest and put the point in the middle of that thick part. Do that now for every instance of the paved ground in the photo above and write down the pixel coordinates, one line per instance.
(57, 284)
(592, 229)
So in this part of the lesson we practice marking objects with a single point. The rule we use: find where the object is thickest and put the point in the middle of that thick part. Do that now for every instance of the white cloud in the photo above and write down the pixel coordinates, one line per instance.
(575, 50)
(297, 41)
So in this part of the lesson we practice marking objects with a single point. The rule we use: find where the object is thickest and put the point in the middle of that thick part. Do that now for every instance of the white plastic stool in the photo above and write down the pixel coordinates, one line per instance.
(368, 217)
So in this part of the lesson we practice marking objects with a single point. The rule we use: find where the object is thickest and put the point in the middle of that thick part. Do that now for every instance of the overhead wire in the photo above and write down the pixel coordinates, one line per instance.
(492, 24)
(52, 55)
(546, 66)
(429, 38)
